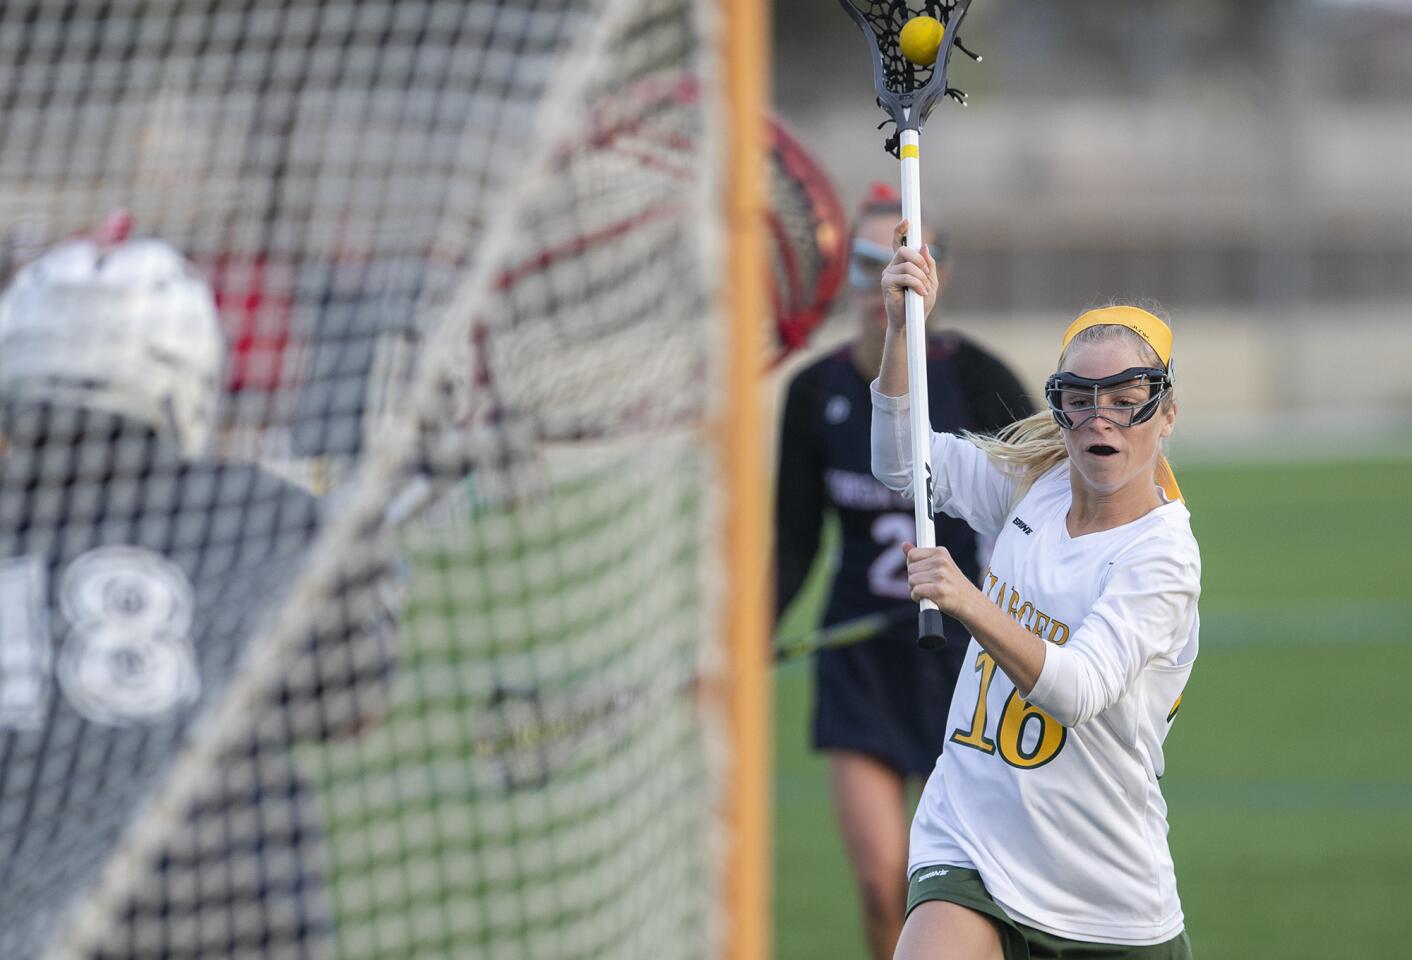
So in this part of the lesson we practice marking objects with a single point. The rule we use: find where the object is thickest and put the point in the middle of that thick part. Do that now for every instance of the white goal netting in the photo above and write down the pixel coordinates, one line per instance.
(395, 650)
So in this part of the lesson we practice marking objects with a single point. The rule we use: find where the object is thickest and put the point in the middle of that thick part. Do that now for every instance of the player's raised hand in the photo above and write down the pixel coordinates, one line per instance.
(909, 270)
(933, 575)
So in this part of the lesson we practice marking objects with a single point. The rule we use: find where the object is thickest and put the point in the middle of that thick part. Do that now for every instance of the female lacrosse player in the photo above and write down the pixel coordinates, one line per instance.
(1043, 832)
(880, 706)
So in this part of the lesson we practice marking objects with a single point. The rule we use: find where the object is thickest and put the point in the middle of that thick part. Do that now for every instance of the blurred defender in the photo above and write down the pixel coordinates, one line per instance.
(880, 708)
(133, 575)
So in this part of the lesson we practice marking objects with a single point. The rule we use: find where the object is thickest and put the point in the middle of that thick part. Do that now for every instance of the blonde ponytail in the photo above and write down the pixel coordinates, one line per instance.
(1026, 449)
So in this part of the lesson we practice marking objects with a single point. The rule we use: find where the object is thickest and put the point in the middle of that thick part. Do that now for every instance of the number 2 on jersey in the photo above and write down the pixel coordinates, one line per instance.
(887, 575)
(1016, 719)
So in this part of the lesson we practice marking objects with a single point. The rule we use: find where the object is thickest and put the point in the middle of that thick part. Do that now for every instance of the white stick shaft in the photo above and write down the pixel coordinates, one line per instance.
(920, 424)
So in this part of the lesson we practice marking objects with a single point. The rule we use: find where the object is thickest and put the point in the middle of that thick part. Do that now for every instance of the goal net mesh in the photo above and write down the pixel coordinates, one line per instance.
(447, 702)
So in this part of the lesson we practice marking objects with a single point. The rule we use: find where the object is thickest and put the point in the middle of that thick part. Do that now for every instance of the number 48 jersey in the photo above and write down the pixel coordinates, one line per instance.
(131, 584)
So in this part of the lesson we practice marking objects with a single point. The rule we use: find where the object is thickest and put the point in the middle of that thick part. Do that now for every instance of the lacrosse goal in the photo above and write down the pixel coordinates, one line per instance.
(498, 310)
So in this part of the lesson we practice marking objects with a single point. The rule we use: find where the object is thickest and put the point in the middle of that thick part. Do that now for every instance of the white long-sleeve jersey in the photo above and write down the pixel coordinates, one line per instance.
(1054, 799)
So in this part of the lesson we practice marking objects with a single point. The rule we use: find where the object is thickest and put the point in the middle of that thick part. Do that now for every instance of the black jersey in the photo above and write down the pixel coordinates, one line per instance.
(826, 465)
(131, 584)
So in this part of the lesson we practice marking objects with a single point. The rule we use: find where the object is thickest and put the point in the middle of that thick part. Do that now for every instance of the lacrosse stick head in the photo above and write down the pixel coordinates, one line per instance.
(808, 232)
(909, 91)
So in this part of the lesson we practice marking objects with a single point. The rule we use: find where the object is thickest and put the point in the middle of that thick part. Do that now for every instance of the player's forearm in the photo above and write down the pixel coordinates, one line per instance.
(1016, 650)
(892, 375)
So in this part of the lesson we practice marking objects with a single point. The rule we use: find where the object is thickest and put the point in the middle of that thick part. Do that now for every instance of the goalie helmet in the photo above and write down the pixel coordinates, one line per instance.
(130, 329)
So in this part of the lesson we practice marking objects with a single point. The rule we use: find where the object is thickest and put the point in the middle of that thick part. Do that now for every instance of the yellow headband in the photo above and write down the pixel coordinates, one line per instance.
(1146, 325)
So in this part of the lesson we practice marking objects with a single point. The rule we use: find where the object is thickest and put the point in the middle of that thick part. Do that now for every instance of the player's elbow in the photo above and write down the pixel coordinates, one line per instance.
(1074, 712)
(1072, 689)
(891, 475)
(1062, 706)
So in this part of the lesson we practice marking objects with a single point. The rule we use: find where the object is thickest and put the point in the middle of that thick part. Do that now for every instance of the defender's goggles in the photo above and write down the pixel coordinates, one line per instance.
(1125, 399)
(869, 259)
(867, 262)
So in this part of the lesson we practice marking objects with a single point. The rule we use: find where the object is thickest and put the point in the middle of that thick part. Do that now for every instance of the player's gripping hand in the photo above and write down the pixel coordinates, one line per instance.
(933, 575)
(909, 270)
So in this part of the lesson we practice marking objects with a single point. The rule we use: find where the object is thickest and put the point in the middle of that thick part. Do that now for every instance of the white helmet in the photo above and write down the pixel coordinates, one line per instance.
(131, 329)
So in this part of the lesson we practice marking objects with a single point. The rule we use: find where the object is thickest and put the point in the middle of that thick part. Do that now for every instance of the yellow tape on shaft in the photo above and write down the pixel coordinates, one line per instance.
(910, 150)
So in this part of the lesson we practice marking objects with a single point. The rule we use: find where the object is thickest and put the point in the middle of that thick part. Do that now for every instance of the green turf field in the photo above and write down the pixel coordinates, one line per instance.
(1289, 772)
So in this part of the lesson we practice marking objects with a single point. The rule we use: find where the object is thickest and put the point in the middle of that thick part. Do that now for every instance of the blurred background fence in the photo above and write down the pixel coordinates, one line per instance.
(1248, 165)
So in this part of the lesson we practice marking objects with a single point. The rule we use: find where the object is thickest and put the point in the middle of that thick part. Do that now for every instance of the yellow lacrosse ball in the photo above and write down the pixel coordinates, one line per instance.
(920, 39)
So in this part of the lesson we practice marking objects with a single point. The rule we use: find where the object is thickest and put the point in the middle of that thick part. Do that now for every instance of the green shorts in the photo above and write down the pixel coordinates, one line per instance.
(964, 887)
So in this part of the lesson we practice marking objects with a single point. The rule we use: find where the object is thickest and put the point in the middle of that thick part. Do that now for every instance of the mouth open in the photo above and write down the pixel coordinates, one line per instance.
(1102, 450)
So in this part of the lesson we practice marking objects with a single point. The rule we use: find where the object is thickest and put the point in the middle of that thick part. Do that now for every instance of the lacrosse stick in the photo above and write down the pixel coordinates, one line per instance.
(845, 634)
(911, 49)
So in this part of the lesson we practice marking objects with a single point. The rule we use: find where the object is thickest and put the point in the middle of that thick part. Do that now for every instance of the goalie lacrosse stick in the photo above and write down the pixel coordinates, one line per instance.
(908, 87)
(805, 222)
(648, 130)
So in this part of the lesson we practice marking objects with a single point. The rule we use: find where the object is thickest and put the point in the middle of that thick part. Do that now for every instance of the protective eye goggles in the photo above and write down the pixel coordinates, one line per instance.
(868, 260)
(866, 263)
(1076, 400)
